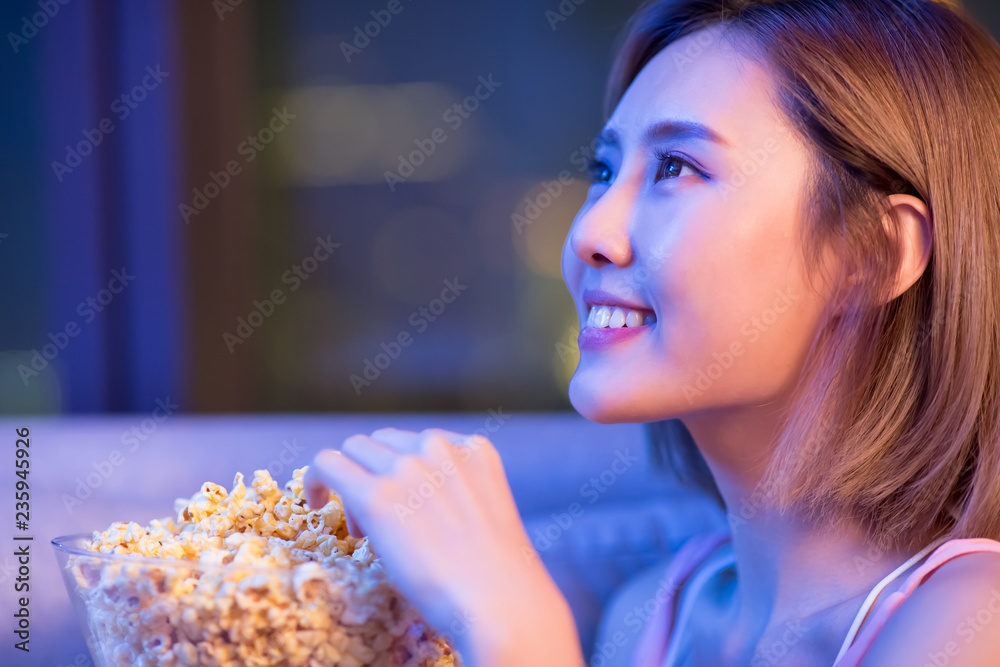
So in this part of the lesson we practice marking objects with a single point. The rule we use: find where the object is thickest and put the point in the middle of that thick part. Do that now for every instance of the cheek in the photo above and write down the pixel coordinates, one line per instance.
(736, 297)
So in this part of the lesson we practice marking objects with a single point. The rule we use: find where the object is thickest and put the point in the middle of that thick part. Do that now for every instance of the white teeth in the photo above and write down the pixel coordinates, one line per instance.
(603, 317)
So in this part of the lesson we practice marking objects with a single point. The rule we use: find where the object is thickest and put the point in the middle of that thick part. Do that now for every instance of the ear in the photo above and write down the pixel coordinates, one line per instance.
(915, 236)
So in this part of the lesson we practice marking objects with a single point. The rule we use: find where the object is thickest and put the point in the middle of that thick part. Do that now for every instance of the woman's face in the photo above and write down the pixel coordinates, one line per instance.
(685, 261)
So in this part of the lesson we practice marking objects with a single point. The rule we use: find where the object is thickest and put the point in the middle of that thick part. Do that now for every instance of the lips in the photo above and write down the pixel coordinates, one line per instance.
(612, 319)
(597, 297)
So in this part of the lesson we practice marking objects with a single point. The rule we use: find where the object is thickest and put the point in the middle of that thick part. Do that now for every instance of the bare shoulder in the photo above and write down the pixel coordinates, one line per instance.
(952, 618)
(627, 613)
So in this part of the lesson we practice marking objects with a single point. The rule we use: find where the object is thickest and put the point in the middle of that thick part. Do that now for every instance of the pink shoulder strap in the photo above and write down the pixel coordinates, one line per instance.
(653, 643)
(944, 553)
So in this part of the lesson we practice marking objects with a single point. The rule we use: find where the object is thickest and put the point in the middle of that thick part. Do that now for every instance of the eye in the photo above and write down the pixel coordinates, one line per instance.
(671, 166)
(599, 172)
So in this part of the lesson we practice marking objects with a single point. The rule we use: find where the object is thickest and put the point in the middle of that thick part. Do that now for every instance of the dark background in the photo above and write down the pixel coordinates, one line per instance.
(507, 340)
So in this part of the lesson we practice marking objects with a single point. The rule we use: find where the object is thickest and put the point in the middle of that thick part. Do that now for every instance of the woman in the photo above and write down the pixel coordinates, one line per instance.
(789, 256)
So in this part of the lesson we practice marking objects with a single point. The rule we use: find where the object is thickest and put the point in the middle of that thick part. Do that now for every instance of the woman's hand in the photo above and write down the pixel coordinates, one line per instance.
(439, 513)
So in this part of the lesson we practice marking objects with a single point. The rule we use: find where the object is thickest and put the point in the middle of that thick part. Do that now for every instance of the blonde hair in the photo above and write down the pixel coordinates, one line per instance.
(896, 423)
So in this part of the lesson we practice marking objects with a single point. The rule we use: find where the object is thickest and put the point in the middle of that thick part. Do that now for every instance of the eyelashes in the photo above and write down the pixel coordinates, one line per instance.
(668, 166)
(666, 160)
(599, 171)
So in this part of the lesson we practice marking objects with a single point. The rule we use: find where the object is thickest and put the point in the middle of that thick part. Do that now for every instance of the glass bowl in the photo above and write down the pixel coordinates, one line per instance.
(145, 611)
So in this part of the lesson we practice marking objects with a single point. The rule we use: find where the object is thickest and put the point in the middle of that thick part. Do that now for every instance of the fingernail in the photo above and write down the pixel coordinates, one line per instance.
(327, 453)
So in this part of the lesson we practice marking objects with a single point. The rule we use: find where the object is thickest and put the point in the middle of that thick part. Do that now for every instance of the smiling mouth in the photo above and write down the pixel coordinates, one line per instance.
(613, 317)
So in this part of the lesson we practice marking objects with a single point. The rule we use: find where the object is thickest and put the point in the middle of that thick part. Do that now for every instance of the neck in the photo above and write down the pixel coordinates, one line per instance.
(789, 570)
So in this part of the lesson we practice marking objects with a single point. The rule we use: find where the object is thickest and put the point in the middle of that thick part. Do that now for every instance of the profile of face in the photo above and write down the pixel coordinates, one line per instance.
(685, 262)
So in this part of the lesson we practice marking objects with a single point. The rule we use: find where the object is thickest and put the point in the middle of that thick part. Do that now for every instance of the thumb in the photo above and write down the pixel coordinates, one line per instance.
(318, 494)
(353, 529)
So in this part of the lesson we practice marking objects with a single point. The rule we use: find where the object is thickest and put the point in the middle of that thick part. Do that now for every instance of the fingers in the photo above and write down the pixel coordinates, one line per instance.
(316, 492)
(347, 470)
(459, 439)
(408, 442)
(466, 446)
(330, 469)
(353, 529)
(405, 442)
(434, 445)
(375, 456)
(354, 470)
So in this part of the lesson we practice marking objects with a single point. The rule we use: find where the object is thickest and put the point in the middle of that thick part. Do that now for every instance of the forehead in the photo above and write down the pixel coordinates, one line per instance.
(701, 78)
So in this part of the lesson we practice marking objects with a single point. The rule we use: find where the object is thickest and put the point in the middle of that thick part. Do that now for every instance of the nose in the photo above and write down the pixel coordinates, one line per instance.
(600, 234)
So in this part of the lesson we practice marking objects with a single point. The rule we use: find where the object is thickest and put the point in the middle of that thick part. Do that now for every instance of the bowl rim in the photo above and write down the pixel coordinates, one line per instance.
(59, 544)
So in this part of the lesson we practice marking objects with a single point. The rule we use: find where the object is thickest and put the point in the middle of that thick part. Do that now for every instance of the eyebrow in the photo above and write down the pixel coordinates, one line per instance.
(680, 130)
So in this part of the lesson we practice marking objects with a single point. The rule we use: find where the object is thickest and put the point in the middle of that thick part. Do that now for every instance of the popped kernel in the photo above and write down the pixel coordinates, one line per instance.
(250, 577)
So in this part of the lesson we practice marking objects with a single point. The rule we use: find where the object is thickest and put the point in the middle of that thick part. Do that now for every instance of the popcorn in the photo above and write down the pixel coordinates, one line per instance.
(249, 577)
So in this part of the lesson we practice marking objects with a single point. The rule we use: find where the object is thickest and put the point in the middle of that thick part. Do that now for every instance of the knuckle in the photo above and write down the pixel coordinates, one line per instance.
(353, 443)
(488, 452)
(480, 445)
(323, 456)
(434, 445)
(479, 441)
(433, 433)
(381, 495)
(409, 466)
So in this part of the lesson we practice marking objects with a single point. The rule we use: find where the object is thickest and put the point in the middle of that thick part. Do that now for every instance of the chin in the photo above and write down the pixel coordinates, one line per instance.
(602, 400)
(599, 405)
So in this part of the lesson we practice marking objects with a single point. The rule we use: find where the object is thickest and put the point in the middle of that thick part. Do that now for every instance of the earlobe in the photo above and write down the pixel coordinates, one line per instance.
(915, 236)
